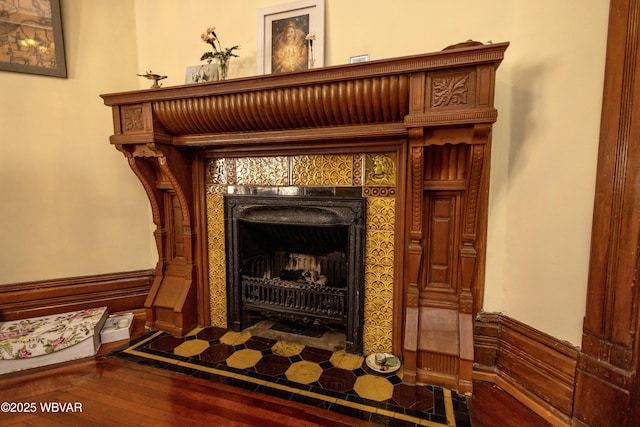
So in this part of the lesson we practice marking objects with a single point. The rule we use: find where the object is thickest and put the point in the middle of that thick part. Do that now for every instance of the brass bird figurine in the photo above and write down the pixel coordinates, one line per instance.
(155, 77)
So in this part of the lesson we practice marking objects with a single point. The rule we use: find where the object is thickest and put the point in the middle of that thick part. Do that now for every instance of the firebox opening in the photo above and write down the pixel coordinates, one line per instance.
(296, 259)
(295, 273)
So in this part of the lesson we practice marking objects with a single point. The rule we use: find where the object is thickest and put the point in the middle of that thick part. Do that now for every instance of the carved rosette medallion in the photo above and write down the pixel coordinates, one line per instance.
(450, 90)
(132, 118)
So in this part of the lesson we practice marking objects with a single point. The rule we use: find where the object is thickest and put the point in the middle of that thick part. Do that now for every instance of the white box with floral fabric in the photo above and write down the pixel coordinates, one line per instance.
(42, 341)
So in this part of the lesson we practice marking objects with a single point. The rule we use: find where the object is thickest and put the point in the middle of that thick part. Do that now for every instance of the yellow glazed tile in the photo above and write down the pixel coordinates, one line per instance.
(191, 348)
(235, 338)
(287, 349)
(344, 360)
(380, 169)
(217, 266)
(307, 170)
(337, 169)
(243, 359)
(304, 372)
(194, 331)
(268, 171)
(374, 388)
(373, 170)
(217, 172)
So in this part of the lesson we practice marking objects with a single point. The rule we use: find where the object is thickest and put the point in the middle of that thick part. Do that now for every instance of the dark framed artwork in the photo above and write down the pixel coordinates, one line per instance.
(291, 37)
(31, 37)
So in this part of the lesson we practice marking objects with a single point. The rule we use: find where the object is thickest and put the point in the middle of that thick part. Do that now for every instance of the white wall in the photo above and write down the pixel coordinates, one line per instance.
(548, 94)
(543, 180)
(70, 204)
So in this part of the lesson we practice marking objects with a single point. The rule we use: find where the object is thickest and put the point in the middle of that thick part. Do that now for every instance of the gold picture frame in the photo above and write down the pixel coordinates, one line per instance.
(291, 36)
(31, 38)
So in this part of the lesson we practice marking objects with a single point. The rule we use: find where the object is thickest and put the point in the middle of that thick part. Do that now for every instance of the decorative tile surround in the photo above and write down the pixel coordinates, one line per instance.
(375, 173)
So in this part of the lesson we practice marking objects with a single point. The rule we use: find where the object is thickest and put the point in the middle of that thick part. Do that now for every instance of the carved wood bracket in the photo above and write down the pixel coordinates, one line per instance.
(163, 171)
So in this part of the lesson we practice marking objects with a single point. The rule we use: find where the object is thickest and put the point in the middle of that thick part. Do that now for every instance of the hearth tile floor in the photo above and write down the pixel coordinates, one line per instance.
(337, 381)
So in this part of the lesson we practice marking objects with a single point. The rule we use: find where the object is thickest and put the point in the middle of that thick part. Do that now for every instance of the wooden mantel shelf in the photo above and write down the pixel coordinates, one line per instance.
(435, 109)
(359, 99)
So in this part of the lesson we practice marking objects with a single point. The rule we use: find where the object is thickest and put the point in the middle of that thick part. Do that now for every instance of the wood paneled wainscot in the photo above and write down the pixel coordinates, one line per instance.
(435, 110)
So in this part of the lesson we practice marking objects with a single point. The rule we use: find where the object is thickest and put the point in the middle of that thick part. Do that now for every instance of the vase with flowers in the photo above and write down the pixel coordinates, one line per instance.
(222, 55)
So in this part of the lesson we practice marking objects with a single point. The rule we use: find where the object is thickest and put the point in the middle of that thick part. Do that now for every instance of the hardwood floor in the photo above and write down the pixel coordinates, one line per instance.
(104, 391)
(109, 392)
(490, 406)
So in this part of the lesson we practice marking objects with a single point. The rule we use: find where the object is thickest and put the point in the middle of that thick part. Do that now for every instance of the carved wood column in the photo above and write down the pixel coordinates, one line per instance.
(607, 387)
(446, 217)
(413, 265)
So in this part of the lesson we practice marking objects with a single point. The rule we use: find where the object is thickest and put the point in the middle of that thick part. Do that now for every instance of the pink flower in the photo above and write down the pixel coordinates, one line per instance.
(82, 314)
(209, 35)
(13, 334)
(223, 54)
(23, 352)
(56, 342)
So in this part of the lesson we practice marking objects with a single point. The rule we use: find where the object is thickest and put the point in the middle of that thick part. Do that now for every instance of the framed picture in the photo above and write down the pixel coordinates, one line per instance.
(359, 58)
(291, 37)
(201, 73)
(31, 38)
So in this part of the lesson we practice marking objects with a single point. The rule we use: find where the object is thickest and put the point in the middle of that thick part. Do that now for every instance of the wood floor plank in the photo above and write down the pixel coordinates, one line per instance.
(490, 406)
(116, 392)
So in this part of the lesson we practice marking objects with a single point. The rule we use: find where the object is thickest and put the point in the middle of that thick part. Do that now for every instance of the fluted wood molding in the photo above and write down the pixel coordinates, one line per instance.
(610, 357)
(352, 102)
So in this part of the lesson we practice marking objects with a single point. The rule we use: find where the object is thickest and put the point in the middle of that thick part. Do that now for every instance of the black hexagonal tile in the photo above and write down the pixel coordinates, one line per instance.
(337, 379)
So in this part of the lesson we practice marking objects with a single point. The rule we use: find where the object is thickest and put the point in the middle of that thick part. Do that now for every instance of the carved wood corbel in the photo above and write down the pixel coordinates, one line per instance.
(164, 172)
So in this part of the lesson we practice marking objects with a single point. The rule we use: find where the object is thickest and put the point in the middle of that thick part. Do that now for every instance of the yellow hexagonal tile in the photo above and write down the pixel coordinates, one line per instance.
(304, 372)
(191, 348)
(235, 338)
(194, 331)
(287, 349)
(400, 373)
(374, 388)
(243, 359)
(344, 360)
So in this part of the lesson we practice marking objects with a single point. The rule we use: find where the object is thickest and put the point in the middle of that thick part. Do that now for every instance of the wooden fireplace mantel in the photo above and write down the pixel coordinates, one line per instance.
(438, 107)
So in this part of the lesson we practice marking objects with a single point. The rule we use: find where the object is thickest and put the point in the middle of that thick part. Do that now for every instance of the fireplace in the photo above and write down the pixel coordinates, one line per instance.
(296, 254)
(412, 133)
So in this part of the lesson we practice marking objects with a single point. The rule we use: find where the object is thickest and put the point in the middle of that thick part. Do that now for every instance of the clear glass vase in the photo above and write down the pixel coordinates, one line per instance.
(223, 68)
